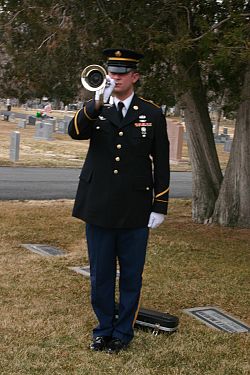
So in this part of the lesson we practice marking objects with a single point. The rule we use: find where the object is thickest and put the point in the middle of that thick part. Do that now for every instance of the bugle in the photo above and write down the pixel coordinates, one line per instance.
(93, 77)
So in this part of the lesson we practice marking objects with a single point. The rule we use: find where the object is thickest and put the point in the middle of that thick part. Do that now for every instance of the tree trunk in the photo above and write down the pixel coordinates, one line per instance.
(233, 204)
(207, 175)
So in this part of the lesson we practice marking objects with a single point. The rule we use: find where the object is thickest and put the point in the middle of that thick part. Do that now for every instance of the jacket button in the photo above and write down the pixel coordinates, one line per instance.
(117, 158)
(147, 188)
(115, 171)
(119, 146)
(120, 134)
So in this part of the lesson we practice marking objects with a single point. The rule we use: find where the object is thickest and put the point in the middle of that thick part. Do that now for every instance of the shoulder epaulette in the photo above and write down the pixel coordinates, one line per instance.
(150, 101)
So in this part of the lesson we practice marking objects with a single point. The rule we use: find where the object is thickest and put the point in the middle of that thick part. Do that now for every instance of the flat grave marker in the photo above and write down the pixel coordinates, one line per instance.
(85, 270)
(218, 319)
(45, 250)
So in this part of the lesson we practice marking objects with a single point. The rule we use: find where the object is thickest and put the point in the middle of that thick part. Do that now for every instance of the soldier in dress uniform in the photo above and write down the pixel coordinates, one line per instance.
(122, 193)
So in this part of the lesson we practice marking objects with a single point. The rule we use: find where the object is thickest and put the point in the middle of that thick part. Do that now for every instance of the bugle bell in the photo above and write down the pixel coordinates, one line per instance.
(93, 77)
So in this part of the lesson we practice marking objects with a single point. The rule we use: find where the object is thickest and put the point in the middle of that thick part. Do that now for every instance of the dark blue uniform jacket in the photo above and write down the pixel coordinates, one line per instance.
(125, 175)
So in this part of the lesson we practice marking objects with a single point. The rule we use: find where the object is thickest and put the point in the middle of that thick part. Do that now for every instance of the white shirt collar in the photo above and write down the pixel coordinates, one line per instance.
(126, 102)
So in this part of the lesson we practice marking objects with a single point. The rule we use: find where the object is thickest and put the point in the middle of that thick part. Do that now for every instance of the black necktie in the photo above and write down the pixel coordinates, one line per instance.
(120, 114)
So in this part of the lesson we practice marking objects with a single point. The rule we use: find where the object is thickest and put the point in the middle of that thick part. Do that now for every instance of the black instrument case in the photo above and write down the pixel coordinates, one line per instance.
(155, 320)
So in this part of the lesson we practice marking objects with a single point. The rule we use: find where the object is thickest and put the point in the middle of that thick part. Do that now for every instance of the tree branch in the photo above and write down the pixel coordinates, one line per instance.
(54, 33)
(46, 40)
(188, 15)
(217, 25)
(102, 9)
(16, 14)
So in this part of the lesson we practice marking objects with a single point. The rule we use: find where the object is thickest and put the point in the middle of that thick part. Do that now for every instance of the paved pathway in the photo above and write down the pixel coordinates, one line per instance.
(61, 183)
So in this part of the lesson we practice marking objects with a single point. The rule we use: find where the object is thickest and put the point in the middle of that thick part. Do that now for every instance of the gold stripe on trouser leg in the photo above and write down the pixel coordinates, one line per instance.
(137, 311)
(138, 307)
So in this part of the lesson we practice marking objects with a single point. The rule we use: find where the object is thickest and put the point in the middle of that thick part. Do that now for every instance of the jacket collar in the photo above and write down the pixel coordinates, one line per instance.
(111, 113)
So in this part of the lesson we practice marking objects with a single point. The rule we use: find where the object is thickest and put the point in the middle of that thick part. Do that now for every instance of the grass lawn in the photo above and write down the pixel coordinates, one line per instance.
(46, 317)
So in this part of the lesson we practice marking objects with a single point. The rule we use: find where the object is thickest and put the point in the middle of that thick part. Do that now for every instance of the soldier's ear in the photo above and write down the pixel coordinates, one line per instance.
(135, 77)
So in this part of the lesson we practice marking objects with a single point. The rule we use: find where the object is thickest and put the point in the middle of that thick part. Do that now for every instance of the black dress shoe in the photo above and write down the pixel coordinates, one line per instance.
(115, 346)
(100, 343)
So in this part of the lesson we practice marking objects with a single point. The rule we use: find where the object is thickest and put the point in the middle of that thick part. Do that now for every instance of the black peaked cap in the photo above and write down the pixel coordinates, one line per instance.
(122, 60)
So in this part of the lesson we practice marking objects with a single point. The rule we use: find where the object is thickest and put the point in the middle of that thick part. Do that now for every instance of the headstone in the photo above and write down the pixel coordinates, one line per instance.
(51, 121)
(44, 131)
(6, 115)
(175, 134)
(45, 250)
(222, 138)
(225, 130)
(218, 319)
(48, 131)
(68, 118)
(12, 117)
(228, 145)
(62, 127)
(14, 146)
(39, 131)
(22, 123)
(32, 120)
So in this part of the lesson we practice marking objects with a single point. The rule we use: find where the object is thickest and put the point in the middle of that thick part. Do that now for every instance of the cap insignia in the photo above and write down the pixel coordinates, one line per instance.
(118, 53)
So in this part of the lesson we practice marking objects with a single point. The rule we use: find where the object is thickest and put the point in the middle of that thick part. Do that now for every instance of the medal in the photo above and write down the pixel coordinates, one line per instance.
(143, 131)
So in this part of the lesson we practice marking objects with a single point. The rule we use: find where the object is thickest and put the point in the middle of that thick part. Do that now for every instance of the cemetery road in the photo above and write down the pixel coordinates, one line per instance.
(61, 183)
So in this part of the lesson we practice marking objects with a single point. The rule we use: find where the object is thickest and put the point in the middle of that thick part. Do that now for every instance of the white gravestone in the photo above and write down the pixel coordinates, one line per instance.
(22, 123)
(62, 127)
(12, 117)
(14, 146)
(68, 118)
(44, 131)
(228, 145)
(51, 121)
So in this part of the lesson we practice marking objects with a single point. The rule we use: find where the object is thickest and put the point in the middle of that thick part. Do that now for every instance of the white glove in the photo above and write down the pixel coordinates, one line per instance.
(155, 220)
(104, 93)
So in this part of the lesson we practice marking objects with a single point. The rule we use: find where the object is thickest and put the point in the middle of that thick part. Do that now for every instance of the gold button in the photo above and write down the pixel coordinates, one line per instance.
(120, 134)
(118, 146)
(98, 127)
(117, 158)
(115, 171)
(147, 188)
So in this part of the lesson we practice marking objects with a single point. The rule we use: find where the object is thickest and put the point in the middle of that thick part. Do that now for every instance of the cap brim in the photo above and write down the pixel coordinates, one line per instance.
(119, 69)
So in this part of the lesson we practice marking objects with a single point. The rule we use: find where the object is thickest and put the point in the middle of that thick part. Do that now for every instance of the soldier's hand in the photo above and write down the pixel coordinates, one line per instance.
(155, 220)
(103, 94)
(110, 84)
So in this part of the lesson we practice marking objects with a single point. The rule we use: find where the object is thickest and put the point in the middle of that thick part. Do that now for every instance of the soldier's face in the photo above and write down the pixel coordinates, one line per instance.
(124, 83)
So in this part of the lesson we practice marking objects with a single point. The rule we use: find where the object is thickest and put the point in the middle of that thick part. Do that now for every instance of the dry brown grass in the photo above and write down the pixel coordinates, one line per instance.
(63, 151)
(46, 318)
